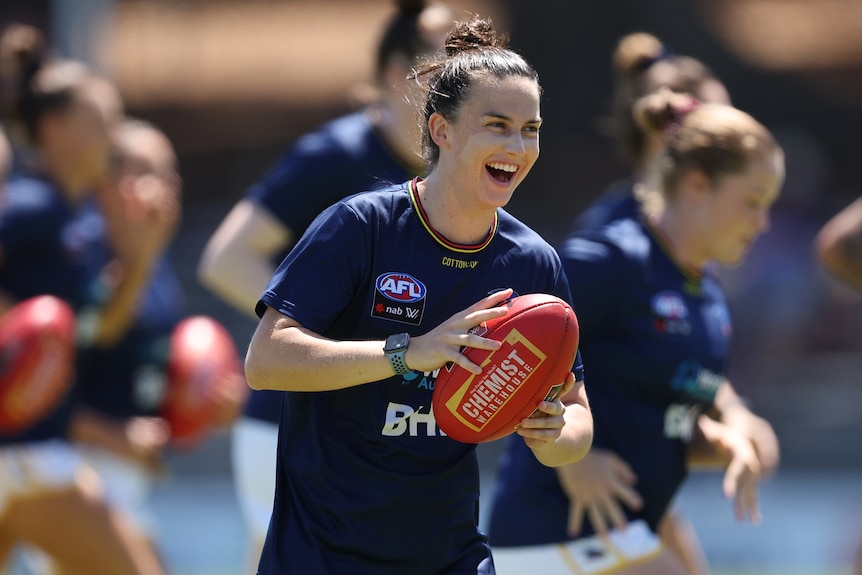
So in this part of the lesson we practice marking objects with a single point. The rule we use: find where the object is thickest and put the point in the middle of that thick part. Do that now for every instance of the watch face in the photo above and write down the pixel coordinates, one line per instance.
(397, 342)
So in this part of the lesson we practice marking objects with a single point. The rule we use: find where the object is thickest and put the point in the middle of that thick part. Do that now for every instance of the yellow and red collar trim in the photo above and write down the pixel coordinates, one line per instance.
(440, 238)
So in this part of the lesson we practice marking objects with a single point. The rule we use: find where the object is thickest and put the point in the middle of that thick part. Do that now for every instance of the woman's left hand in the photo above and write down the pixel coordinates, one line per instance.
(545, 427)
(742, 480)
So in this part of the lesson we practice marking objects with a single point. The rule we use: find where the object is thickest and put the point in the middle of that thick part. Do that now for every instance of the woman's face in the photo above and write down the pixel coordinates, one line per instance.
(84, 131)
(737, 208)
(493, 142)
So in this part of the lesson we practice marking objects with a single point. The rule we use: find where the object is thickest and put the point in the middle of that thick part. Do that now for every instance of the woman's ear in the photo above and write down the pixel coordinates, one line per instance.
(696, 183)
(438, 128)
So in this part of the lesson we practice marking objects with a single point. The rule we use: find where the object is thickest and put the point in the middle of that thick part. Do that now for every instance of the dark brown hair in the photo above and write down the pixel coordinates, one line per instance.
(715, 139)
(643, 64)
(49, 89)
(23, 49)
(410, 34)
(472, 49)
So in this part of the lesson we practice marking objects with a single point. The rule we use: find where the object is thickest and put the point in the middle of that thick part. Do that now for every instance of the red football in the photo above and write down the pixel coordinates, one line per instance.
(540, 339)
(205, 380)
(37, 355)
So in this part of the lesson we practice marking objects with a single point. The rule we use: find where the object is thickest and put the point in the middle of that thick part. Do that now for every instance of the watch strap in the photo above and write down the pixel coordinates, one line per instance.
(396, 359)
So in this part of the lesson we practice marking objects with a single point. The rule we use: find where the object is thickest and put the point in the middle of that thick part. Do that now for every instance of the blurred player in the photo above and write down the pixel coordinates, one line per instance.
(656, 330)
(21, 46)
(369, 149)
(366, 482)
(121, 387)
(644, 65)
(838, 247)
(5, 156)
(47, 222)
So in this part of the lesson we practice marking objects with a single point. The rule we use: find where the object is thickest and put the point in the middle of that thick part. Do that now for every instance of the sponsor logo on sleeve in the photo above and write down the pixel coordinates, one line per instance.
(399, 297)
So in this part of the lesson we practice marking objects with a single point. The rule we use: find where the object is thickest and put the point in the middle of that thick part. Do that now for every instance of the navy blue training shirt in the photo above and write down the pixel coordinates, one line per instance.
(655, 338)
(366, 482)
(341, 158)
(615, 203)
(44, 241)
(128, 379)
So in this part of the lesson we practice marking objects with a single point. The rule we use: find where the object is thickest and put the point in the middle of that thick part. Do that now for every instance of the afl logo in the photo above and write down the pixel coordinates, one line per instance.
(669, 305)
(399, 287)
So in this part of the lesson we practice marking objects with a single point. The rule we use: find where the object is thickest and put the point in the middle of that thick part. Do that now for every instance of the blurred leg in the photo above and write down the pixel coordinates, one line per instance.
(254, 448)
(679, 537)
(77, 530)
(126, 488)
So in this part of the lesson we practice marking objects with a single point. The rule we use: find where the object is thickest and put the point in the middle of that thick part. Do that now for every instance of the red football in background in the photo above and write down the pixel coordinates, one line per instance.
(37, 354)
(540, 340)
(206, 386)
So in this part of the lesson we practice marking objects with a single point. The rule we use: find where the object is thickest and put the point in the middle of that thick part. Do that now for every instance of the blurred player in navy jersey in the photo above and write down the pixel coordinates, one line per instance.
(48, 219)
(644, 65)
(121, 387)
(655, 330)
(369, 149)
(366, 483)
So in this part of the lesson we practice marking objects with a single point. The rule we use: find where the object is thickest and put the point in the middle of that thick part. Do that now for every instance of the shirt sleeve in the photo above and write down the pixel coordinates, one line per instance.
(313, 175)
(596, 271)
(323, 273)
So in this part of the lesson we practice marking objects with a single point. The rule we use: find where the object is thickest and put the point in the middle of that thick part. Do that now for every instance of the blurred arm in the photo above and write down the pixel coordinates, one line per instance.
(236, 264)
(838, 245)
(732, 410)
(713, 444)
(153, 211)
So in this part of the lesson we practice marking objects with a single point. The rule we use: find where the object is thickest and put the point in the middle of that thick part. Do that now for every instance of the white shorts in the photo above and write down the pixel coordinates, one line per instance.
(255, 444)
(126, 486)
(29, 468)
(586, 556)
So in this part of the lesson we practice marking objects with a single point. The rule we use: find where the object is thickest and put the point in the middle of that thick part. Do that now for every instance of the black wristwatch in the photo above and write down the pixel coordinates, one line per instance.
(394, 349)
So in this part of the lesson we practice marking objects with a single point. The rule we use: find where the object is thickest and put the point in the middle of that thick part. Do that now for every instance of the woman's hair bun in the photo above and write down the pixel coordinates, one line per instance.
(659, 111)
(22, 48)
(636, 52)
(411, 7)
(475, 34)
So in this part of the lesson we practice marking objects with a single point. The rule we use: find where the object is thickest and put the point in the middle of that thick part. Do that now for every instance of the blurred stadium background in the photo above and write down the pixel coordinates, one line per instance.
(234, 82)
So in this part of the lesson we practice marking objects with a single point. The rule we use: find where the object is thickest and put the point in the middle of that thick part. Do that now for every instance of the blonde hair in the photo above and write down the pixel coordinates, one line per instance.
(716, 139)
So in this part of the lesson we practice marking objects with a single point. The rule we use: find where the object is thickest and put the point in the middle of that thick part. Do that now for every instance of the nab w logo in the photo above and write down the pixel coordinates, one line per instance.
(399, 287)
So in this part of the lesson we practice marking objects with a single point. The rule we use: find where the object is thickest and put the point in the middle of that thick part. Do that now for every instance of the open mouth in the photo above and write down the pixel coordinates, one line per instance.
(501, 172)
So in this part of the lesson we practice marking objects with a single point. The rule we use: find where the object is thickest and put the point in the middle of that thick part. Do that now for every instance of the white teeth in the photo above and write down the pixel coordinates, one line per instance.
(504, 167)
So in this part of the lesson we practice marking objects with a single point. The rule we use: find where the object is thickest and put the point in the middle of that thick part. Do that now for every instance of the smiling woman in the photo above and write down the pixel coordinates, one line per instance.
(409, 272)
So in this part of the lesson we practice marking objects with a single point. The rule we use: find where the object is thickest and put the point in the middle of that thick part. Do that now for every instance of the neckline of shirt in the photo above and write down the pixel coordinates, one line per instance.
(440, 238)
(691, 273)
